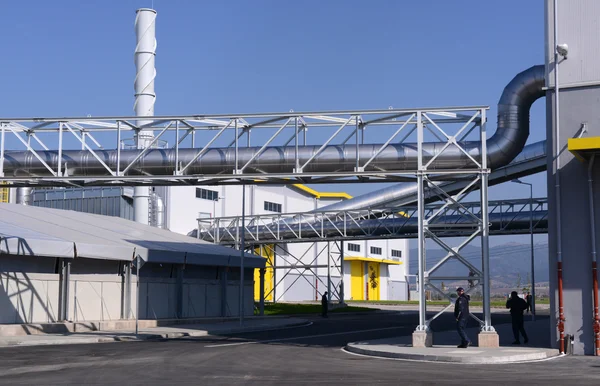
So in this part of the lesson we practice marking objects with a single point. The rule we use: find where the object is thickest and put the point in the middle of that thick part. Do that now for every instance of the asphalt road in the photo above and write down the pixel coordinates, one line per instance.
(306, 355)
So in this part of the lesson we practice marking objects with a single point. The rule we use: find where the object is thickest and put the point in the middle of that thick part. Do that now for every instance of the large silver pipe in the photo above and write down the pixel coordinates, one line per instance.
(25, 196)
(531, 160)
(506, 143)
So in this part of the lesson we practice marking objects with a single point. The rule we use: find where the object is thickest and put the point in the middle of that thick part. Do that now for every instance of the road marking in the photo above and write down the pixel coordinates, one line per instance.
(304, 337)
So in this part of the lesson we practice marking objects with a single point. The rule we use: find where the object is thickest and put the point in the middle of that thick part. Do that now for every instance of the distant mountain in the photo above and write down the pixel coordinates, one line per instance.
(507, 262)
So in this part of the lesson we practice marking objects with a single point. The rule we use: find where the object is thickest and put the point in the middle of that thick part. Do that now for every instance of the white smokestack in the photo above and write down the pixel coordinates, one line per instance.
(145, 72)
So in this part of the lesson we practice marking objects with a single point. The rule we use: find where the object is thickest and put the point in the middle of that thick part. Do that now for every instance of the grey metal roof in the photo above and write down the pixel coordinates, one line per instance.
(35, 231)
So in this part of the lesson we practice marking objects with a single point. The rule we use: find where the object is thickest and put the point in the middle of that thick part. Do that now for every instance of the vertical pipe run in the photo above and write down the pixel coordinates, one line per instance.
(594, 256)
(561, 316)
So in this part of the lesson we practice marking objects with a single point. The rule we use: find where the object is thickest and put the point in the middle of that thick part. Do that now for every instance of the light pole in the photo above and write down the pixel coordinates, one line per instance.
(517, 181)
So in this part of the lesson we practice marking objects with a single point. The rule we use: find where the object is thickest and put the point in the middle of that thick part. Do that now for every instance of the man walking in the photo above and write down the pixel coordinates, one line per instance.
(517, 306)
(528, 300)
(461, 314)
(324, 304)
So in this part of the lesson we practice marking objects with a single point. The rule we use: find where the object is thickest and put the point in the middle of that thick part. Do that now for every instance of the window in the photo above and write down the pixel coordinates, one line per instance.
(206, 194)
(396, 253)
(272, 207)
(354, 247)
(375, 250)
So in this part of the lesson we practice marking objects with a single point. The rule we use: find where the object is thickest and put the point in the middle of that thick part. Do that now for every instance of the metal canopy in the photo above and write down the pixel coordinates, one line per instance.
(34, 231)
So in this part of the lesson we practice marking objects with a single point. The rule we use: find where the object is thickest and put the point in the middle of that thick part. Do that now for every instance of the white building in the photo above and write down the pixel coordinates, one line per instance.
(373, 270)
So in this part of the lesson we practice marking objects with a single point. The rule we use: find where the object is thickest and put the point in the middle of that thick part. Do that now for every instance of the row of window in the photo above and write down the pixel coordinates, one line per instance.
(212, 195)
(207, 194)
(374, 250)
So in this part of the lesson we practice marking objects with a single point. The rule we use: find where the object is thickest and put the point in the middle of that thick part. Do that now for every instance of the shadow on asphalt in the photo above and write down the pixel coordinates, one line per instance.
(339, 330)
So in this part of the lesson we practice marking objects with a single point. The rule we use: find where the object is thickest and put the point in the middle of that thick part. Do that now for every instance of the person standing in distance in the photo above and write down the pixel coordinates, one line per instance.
(324, 304)
(461, 314)
(517, 306)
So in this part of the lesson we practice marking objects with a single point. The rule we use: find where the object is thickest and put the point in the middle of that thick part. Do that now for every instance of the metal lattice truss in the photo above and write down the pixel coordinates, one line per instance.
(477, 227)
(217, 149)
(283, 260)
(506, 217)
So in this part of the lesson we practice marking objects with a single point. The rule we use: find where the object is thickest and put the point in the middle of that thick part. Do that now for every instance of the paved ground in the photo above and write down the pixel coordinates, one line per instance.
(305, 355)
(167, 332)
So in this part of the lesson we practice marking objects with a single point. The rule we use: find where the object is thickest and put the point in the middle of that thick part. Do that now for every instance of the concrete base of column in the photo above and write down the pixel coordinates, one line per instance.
(488, 339)
(422, 339)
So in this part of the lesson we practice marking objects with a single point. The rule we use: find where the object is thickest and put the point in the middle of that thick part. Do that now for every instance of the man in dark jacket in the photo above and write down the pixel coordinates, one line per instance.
(324, 304)
(461, 314)
(528, 299)
(517, 306)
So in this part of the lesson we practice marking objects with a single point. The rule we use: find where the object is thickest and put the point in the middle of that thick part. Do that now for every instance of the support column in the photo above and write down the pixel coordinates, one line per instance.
(262, 272)
(488, 336)
(179, 291)
(342, 296)
(63, 295)
(328, 273)
(126, 291)
(422, 337)
(224, 274)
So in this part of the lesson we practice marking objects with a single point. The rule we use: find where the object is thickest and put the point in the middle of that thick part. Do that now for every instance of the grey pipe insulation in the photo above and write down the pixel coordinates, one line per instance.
(506, 143)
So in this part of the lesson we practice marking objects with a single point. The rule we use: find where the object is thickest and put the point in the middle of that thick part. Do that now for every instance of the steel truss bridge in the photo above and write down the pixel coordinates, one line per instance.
(506, 217)
(303, 147)
(426, 146)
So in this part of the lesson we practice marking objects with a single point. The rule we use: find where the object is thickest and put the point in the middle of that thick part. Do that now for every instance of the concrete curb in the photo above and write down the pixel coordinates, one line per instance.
(480, 359)
(116, 337)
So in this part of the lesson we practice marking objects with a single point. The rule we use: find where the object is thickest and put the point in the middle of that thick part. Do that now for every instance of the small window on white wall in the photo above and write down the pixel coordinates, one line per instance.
(375, 251)
(354, 247)
(272, 207)
(207, 194)
(397, 253)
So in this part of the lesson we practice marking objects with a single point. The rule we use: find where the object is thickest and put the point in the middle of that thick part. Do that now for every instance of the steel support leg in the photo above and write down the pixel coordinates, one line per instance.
(421, 252)
(262, 291)
(485, 253)
(328, 273)
(342, 296)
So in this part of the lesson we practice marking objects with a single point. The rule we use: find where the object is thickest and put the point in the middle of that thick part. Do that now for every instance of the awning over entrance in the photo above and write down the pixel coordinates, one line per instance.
(372, 260)
(584, 148)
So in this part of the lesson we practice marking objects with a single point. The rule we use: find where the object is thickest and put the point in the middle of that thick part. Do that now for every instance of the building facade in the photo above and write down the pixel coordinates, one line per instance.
(372, 269)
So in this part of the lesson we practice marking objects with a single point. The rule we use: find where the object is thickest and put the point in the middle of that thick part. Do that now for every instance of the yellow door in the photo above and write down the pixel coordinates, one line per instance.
(373, 277)
(356, 282)
(267, 252)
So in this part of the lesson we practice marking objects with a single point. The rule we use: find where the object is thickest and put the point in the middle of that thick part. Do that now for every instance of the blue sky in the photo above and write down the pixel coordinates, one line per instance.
(73, 58)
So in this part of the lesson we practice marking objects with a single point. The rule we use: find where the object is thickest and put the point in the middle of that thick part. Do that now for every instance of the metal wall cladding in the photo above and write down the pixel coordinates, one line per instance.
(104, 201)
(579, 28)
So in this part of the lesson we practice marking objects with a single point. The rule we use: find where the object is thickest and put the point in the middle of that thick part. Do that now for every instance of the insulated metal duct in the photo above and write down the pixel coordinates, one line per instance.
(531, 160)
(508, 140)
